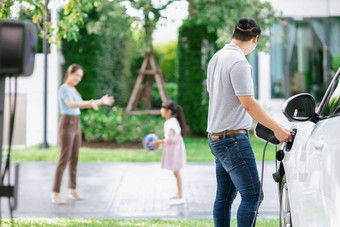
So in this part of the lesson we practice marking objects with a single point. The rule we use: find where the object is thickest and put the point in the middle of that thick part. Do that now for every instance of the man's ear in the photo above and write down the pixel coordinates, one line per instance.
(255, 39)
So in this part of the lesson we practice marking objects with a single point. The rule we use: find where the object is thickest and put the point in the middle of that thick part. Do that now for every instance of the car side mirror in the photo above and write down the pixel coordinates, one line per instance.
(300, 107)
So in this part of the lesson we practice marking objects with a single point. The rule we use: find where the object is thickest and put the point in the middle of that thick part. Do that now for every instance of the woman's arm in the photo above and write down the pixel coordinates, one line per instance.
(105, 100)
(82, 105)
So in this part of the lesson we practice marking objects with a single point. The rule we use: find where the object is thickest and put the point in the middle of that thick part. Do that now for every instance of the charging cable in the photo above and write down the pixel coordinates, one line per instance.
(12, 109)
(261, 187)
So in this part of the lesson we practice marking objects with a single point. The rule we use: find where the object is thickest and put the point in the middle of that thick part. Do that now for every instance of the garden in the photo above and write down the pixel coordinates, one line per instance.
(110, 45)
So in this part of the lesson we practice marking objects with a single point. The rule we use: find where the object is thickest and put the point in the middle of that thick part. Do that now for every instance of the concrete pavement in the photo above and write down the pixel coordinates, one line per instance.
(129, 190)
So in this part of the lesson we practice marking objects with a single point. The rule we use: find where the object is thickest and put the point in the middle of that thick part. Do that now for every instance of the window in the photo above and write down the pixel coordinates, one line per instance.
(297, 50)
(332, 106)
(253, 60)
(277, 61)
(306, 64)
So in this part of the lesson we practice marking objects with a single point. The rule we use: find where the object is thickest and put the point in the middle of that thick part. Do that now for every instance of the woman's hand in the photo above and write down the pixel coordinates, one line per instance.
(94, 104)
(107, 100)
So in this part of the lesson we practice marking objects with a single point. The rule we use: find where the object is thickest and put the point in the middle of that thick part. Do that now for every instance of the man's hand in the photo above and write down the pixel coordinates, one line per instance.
(284, 135)
(260, 115)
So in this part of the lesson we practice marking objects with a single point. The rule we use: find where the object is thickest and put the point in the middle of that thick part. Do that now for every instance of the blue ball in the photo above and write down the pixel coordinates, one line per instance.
(148, 139)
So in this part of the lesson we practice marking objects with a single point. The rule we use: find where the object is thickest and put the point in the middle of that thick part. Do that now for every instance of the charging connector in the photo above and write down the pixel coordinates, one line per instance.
(261, 181)
(265, 134)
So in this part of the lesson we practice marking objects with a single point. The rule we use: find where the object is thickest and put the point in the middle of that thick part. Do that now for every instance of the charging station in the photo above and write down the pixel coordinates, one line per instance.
(18, 40)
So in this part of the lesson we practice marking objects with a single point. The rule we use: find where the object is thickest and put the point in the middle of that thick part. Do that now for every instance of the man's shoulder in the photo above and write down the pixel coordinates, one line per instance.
(229, 54)
(240, 63)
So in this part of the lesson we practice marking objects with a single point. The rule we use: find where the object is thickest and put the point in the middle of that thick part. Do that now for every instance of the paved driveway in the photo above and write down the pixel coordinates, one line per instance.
(128, 190)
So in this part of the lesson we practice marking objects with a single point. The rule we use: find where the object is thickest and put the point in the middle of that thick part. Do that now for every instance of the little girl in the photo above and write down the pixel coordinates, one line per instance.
(174, 157)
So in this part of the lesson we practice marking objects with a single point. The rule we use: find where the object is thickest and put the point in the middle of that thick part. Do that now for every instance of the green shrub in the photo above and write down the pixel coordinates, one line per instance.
(115, 125)
(195, 48)
(336, 63)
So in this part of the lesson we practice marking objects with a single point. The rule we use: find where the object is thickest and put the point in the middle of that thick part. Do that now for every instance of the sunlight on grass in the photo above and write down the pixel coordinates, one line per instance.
(35, 222)
(197, 151)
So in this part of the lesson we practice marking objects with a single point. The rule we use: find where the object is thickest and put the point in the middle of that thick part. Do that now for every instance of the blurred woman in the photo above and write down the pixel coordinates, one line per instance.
(69, 132)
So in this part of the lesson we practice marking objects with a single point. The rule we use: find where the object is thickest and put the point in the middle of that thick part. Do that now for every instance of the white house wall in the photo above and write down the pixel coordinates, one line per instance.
(307, 8)
(33, 88)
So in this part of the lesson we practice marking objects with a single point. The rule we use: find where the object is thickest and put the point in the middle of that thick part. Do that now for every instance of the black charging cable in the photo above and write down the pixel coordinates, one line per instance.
(12, 108)
(261, 187)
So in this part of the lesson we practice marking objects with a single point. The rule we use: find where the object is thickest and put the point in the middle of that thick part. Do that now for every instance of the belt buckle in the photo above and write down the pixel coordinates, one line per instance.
(215, 138)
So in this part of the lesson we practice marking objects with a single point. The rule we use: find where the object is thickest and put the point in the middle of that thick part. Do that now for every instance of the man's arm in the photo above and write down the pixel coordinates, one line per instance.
(257, 112)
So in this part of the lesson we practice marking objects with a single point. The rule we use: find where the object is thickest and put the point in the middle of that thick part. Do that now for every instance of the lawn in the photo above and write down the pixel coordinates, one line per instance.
(197, 151)
(22, 222)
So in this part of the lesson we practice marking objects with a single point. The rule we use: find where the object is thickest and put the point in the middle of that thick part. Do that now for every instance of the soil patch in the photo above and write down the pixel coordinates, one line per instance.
(112, 145)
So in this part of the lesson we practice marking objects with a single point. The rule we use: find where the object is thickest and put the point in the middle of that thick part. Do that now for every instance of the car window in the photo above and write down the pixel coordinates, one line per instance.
(333, 105)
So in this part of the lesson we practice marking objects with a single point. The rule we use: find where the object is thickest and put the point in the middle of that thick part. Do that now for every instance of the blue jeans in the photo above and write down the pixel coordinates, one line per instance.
(235, 171)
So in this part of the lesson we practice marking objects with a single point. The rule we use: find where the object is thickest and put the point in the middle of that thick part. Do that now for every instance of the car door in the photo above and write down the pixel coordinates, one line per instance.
(312, 171)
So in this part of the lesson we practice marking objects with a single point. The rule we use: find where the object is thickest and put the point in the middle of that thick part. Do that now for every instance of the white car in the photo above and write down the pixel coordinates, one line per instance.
(309, 171)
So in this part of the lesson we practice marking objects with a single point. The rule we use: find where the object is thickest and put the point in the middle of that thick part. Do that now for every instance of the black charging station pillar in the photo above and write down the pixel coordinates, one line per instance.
(18, 41)
(44, 144)
(2, 102)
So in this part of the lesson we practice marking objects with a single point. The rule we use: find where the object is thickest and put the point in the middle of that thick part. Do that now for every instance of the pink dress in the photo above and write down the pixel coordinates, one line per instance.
(174, 157)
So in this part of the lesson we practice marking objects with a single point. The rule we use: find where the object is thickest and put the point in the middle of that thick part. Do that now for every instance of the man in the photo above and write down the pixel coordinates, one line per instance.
(231, 108)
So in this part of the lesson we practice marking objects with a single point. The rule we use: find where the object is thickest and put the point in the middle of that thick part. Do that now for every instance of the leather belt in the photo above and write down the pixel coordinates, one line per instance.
(216, 136)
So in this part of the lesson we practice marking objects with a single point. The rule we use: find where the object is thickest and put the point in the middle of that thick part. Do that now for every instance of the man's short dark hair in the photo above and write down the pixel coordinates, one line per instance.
(246, 29)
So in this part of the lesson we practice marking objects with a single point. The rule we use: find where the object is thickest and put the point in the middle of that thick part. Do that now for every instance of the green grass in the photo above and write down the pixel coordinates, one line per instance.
(22, 222)
(197, 151)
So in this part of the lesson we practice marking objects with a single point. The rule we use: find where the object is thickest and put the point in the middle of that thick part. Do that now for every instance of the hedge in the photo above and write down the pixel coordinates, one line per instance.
(104, 54)
(192, 64)
(116, 126)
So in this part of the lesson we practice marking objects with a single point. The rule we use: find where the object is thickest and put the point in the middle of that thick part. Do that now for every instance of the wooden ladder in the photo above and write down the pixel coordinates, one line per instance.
(148, 72)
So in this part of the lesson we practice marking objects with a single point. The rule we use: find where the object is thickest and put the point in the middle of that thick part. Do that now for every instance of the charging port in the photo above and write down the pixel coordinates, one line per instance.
(290, 144)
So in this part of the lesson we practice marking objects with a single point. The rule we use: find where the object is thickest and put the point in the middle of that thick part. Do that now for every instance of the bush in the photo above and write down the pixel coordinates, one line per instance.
(195, 48)
(336, 63)
(115, 125)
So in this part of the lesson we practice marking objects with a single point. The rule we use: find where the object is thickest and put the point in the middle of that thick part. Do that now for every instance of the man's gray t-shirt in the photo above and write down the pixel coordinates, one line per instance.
(229, 76)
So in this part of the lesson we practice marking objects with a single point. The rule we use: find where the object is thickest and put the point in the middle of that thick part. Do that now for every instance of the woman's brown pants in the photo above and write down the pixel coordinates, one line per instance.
(69, 135)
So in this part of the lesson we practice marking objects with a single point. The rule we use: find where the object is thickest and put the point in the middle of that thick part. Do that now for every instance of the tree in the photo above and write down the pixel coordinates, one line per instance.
(220, 16)
(103, 49)
(68, 27)
(152, 13)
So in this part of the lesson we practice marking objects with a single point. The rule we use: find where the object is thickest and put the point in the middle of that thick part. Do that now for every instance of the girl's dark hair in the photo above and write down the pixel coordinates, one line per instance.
(246, 29)
(72, 69)
(177, 112)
